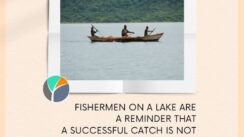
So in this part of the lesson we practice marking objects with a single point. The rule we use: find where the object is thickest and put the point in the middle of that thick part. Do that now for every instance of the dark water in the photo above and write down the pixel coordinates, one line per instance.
(83, 60)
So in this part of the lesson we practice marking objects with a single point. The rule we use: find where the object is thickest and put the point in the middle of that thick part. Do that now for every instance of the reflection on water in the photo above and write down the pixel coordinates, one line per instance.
(84, 60)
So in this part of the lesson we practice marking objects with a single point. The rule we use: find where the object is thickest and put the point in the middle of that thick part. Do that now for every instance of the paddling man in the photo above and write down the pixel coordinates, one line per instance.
(93, 31)
(146, 31)
(125, 32)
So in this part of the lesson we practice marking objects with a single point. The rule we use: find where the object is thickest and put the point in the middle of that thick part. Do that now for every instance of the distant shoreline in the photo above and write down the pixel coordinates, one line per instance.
(113, 22)
(125, 10)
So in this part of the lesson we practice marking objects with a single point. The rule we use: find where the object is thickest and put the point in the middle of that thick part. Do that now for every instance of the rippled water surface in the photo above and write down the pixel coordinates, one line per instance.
(83, 60)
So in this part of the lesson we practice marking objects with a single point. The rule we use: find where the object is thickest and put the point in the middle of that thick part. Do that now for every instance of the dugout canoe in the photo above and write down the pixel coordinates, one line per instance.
(148, 38)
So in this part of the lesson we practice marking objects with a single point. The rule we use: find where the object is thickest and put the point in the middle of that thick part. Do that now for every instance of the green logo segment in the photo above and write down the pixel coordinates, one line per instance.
(56, 88)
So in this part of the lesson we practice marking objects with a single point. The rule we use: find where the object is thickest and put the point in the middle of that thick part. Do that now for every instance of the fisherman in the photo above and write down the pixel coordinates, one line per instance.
(93, 31)
(125, 32)
(146, 31)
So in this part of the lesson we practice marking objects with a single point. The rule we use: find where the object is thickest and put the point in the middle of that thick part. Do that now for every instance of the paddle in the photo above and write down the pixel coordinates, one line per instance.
(96, 29)
(152, 31)
(130, 34)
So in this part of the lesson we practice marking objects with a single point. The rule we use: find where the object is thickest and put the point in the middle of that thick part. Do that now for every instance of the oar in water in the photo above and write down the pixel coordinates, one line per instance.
(152, 31)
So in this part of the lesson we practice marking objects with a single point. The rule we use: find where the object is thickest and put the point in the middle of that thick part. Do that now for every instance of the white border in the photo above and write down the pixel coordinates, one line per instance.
(116, 86)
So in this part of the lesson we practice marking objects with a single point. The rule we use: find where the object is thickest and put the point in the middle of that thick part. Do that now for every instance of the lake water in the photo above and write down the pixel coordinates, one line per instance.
(83, 60)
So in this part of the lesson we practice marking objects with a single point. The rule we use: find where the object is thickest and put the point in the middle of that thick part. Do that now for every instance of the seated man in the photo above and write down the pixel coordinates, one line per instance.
(125, 32)
(146, 31)
(93, 31)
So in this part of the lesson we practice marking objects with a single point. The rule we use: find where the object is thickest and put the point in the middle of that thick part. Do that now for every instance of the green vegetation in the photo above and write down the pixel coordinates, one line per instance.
(86, 11)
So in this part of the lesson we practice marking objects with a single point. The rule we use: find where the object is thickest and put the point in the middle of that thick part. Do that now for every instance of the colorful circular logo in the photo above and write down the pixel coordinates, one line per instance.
(56, 88)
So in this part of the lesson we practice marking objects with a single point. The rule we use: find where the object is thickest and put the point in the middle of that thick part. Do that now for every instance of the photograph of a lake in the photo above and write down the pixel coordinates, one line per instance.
(82, 59)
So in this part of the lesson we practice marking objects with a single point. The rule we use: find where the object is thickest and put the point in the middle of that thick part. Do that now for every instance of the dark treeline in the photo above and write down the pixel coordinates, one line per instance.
(85, 11)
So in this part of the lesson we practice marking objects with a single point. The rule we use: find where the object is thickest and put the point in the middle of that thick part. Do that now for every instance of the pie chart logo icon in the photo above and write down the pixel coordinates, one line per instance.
(56, 88)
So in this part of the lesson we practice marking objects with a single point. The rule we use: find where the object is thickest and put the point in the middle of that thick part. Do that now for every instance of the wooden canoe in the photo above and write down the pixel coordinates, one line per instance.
(148, 38)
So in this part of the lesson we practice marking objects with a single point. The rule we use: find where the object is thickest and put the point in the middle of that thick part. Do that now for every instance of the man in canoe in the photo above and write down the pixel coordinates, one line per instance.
(146, 31)
(125, 31)
(93, 31)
